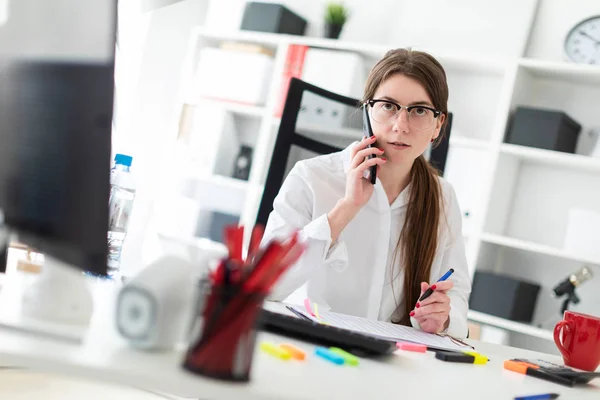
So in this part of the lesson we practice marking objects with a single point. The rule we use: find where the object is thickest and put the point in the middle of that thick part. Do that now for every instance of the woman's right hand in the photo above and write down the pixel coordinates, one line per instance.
(358, 188)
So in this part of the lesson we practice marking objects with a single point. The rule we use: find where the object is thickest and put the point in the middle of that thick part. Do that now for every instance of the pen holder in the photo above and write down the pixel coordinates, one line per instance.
(227, 335)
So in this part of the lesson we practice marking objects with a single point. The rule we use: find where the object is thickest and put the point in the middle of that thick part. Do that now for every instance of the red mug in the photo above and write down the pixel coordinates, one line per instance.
(580, 340)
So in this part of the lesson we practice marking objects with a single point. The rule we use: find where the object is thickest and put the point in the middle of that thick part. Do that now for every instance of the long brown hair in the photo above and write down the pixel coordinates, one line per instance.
(419, 238)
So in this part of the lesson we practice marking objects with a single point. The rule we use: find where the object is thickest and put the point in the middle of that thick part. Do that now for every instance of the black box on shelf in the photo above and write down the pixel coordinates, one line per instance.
(544, 129)
(503, 296)
(243, 163)
(272, 18)
(211, 224)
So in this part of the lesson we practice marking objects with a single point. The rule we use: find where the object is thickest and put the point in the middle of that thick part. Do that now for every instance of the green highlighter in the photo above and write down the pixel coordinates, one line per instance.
(349, 359)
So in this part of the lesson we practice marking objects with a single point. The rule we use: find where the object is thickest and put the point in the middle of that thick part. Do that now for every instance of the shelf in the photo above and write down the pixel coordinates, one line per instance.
(535, 248)
(566, 71)
(273, 39)
(269, 39)
(552, 158)
(225, 182)
(343, 132)
(465, 62)
(512, 326)
(462, 141)
(230, 106)
(220, 193)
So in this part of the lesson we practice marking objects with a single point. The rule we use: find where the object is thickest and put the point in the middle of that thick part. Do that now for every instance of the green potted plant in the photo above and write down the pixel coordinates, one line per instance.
(336, 15)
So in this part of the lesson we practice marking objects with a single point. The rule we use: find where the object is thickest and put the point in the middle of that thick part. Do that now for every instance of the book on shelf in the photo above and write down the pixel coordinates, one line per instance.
(186, 121)
(294, 64)
(247, 47)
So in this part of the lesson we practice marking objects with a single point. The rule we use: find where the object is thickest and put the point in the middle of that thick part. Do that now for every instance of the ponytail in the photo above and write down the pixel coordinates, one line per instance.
(419, 238)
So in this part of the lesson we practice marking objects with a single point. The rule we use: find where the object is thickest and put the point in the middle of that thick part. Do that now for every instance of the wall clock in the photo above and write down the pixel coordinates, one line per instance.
(582, 44)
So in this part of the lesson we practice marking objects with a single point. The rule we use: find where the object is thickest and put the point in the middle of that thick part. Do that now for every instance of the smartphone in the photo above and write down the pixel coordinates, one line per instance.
(368, 132)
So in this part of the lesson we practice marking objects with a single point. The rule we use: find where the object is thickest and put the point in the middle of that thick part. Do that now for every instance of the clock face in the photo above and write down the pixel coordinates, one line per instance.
(582, 44)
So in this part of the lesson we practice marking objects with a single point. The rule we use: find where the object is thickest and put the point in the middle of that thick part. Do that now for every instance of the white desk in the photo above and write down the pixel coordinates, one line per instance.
(18, 384)
(104, 357)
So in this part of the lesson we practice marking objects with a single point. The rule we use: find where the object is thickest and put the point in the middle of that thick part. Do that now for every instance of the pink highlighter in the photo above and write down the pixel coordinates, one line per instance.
(417, 348)
(308, 307)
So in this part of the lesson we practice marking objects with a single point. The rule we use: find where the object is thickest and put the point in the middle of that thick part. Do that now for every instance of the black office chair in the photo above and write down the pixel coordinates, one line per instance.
(316, 121)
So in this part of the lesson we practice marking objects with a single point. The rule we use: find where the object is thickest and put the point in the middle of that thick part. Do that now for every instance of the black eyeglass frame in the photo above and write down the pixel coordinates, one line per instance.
(436, 113)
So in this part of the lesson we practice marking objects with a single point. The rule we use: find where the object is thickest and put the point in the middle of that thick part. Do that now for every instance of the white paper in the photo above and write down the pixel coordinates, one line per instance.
(387, 331)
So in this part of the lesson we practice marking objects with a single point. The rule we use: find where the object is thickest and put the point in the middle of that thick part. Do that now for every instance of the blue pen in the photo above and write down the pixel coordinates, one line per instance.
(429, 292)
(538, 397)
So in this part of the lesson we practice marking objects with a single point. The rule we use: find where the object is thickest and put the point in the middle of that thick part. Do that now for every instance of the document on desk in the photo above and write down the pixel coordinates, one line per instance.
(389, 331)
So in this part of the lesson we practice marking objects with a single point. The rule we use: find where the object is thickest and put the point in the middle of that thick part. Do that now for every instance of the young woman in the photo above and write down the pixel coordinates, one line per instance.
(373, 249)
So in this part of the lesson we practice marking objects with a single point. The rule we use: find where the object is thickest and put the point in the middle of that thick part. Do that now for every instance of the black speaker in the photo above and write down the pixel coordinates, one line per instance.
(503, 296)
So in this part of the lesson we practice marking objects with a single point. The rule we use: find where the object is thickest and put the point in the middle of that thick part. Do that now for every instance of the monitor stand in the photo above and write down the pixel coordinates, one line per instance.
(58, 304)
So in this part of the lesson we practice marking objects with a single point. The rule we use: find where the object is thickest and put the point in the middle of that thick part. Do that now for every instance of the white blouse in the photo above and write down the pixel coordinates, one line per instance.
(354, 275)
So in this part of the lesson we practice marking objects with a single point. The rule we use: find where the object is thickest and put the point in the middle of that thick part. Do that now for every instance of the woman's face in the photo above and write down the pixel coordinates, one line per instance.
(405, 137)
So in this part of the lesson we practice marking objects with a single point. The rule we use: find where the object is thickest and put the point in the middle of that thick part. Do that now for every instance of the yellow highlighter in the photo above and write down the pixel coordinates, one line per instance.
(349, 359)
(479, 359)
(275, 351)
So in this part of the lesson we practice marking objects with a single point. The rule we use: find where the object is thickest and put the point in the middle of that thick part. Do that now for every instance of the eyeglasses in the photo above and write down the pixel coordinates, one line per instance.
(387, 112)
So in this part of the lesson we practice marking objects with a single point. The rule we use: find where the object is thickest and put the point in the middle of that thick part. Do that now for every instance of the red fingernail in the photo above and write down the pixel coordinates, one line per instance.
(384, 159)
(380, 150)
(373, 137)
(418, 305)
(433, 287)
(412, 313)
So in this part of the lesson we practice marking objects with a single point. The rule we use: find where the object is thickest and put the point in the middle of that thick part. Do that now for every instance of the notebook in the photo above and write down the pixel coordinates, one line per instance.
(388, 331)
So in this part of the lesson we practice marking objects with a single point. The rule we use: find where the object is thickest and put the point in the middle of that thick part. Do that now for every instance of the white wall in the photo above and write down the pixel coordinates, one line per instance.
(485, 28)
(52, 30)
(371, 21)
(555, 18)
(460, 26)
(148, 127)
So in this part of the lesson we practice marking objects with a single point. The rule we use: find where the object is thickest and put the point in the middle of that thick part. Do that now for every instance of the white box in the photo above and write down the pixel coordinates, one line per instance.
(317, 111)
(466, 169)
(583, 233)
(238, 76)
(339, 72)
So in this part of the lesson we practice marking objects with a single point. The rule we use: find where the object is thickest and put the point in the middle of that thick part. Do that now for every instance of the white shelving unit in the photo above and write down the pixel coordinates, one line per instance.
(535, 248)
(510, 325)
(235, 108)
(515, 199)
(476, 74)
(552, 158)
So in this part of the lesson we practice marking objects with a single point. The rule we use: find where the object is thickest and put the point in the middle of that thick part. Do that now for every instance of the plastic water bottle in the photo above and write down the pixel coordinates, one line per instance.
(122, 194)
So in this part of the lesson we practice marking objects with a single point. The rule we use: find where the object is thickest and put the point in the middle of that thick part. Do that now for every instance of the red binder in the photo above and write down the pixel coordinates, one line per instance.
(294, 63)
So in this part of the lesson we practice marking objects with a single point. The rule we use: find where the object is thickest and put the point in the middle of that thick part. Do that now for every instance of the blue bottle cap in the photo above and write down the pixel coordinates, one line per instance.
(123, 159)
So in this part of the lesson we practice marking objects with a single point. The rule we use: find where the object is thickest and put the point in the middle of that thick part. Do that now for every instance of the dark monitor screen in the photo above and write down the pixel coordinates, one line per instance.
(56, 100)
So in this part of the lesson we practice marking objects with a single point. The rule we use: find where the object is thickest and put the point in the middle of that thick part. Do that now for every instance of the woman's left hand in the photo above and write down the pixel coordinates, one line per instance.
(433, 313)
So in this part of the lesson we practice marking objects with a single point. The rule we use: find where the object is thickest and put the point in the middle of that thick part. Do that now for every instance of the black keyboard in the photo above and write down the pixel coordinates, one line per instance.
(325, 335)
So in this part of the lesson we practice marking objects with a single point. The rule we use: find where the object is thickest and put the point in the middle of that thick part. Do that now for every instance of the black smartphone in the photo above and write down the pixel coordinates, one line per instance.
(368, 132)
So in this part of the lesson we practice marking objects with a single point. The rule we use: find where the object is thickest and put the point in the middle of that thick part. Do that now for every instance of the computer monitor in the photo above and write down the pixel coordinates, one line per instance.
(56, 102)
